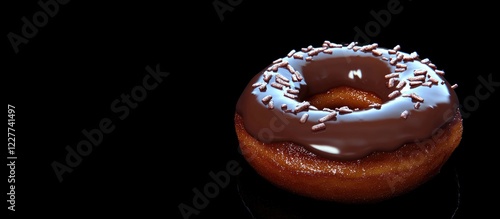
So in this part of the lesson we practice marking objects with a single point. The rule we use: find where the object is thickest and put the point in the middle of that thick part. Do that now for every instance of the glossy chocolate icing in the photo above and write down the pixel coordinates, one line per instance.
(347, 136)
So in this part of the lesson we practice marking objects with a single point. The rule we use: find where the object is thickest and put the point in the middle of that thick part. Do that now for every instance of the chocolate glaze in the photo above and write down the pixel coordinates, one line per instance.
(353, 135)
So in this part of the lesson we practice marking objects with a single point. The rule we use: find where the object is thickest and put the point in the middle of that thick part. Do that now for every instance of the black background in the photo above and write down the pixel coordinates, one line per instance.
(66, 77)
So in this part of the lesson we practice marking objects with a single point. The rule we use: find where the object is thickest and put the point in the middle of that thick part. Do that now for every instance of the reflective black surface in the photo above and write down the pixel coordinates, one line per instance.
(170, 140)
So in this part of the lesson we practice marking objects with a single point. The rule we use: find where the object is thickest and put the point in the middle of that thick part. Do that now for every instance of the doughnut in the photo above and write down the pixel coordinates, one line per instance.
(348, 123)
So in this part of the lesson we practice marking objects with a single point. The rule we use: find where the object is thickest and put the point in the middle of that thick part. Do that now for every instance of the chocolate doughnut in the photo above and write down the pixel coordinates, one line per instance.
(345, 106)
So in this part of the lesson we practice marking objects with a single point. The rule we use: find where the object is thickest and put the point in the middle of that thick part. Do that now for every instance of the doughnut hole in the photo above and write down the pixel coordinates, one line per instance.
(344, 96)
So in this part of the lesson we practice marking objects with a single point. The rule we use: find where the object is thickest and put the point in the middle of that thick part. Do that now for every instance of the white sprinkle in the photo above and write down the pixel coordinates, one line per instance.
(405, 114)
(318, 127)
(329, 116)
(394, 94)
(454, 86)
(291, 53)
(304, 117)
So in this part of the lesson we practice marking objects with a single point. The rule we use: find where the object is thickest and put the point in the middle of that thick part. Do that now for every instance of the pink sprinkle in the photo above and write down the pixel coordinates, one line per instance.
(302, 106)
(393, 61)
(334, 45)
(290, 68)
(267, 77)
(277, 60)
(256, 84)
(266, 99)
(400, 56)
(284, 83)
(415, 83)
(276, 85)
(394, 94)
(391, 51)
(328, 51)
(291, 96)
(376, 52)
(405, 114)
(433, 80)
(419, 72)
(297, 56)
(407, 58)
(344, 109)
(416, 105)
(417, 78)
(416, 97)
(318, 127)
(385, 58)
(432, 65)
(454, 86)
(280, 76)
(401, 84)
(270, 105)
(309, 58)
(401, 65)
(304, 117)
(391, 83)
(439, 72)
(293, 91)
(263, 87)
(400, 69)
(391, 75)
(427, 84)
(425, 61)
(397, 48)
(329, 116)
(294, 78)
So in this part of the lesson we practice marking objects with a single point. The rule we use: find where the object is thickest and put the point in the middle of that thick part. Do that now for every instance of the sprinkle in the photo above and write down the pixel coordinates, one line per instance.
(263, 87)
(385, 58)
(432, 65)
(400, 69)
(334, 45)
(394, 94)
(256, 84)
(442, 82)
(401, 65)
(292, 91)
(309, 48)
(304, 117)
(433, 80)
(318, 127)
(299, 76)
(328, 51)
(282, 64)
(425, 61)
(267, 77)
(414, 55)
(270, 105)
(329, 116)
(375, 105)
(407, 58)
(416, 97)
(294, 78)
(313, 52)
(376, 52)
(439, 72)
(405, 114)
(397, 48)
(276, 85)
(280, 76)
(302, 106)
(297, 56)
(266, 99)
(374, 45)
(284, 83)
(291, 96)
(284, 106)
(393, 61)
(415, 83)
(311, 107)
(391, 51)
(419, 72)
(309, 58)
(277, 60)
(400, 56)
(454, 86)
(356, 48)
(304, 50)
(344, 109)
(417, 78)
(427, 84)
(406, 95)
(401, 84)
(416, 105)
(391, 82)
(391, 75)
(275, 68)
(328, 109)
(352, 44)
(290, 68)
